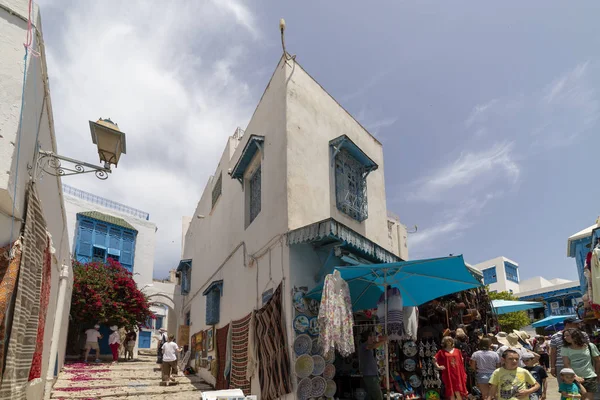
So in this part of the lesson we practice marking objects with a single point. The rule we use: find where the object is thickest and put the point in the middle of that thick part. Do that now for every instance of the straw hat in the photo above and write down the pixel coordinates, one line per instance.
(114, 328)
(493, 338)
(524, 336)
(162, 330)
(510, 340)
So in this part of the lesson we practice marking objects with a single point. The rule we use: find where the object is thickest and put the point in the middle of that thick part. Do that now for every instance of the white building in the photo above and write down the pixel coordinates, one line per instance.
(560, 296)
(19, 139)
(100, 229)
(300, 191)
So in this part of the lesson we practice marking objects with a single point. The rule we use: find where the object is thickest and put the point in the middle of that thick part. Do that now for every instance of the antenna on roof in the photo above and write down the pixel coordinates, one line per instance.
(282, 29)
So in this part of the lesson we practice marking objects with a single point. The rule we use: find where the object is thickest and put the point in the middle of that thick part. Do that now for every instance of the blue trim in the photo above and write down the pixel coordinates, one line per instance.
(184, 264)
(344, 142)
(214, 285)
(489, 275)
(255, 143)
(511, 271)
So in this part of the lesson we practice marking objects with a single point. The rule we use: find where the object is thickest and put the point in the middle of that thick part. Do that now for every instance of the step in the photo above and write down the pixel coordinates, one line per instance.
(111, 391)
(121, 381)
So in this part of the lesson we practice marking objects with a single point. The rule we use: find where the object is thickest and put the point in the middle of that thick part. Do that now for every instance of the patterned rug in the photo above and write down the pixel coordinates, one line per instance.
(239, 354)
(272, 349)
(23, 333)
(36, 364)
(9, 271)
(221, 355)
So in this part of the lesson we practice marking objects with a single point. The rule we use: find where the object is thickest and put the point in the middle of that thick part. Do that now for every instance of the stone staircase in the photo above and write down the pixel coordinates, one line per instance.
(138, 379)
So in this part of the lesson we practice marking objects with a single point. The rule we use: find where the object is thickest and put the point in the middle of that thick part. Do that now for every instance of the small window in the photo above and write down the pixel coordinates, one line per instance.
(98, 254)
(217, 189)
(350, 186)
(188, 320)
(158, 323)
(489, 276)
(255, 194)
(512, 272)
(213, 295)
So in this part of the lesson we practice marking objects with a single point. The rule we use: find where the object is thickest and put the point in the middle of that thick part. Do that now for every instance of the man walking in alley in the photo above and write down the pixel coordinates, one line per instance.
(91, 342)
(169, 364)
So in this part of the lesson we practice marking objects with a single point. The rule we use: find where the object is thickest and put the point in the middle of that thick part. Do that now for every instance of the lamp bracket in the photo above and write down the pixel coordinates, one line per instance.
(55, 165)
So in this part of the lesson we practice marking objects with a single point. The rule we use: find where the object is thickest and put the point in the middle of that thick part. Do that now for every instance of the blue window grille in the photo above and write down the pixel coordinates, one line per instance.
(351, 186)
(99, 241)
(185, 276)
(213, 302)
(188, 318)
(158, 322)
(217, 189)
(512, 272)
(149, 323)
(489, 276)
(255, 194)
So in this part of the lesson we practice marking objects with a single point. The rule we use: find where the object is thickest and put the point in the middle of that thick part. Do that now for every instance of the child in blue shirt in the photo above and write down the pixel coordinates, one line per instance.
(569, 388)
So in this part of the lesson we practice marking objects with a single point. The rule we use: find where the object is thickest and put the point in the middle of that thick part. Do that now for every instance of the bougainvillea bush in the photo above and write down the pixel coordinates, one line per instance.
(106, 293)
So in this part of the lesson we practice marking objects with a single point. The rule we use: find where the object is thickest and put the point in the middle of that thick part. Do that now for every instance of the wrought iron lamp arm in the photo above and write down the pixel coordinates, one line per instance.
(52, 164)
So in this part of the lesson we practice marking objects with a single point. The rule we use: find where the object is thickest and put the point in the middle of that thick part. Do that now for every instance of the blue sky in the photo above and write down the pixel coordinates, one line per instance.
(488, 113)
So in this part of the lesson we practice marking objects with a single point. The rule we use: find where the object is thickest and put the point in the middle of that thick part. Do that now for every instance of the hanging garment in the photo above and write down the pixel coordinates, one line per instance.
(23, 333)
(595, 270)
(36, 363)
(454, 376)
(395, 313)
(10, 262)
(271, 344)
(239, 354)
(335, 316)
(411, 318)
(222, 334)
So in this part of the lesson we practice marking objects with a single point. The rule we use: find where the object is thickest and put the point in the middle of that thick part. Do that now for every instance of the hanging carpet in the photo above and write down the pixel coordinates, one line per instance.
(271, 343)
(239, 354)
(221, 357)
(36, 364)
(26, 314)
(10, 262)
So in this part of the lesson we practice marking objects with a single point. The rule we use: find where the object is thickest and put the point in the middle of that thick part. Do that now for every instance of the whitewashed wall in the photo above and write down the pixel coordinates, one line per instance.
(36, 113)
(502, 284)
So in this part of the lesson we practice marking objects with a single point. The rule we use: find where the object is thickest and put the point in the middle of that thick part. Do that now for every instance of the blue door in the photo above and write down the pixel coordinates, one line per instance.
(145, 339)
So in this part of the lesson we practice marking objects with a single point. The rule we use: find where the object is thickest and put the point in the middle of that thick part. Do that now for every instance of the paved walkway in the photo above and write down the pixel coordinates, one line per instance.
(138, 379)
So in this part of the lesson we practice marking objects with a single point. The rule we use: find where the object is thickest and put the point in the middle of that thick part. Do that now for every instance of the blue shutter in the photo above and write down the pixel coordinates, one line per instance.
(101, 235)
(84, 241)
(114, 239)
(127, 249)
(213, 306)
(159, 322)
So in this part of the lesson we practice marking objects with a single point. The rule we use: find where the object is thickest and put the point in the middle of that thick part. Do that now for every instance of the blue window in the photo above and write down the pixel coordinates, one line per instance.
(489, 276)
(149, 323)
(512, 272)
(352, 166)
(99, 240)
(188, 319)
(185, 275)
(158, 323)
(213, 295)
(255, 194)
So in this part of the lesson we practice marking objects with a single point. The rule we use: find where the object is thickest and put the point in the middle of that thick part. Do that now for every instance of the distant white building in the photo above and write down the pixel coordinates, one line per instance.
(100, 229)
(560, 296)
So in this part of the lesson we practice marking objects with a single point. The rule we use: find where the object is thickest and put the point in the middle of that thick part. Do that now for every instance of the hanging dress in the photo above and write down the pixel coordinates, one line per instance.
(454, 376)
(335, 316)
(595, 281)
(395, 313)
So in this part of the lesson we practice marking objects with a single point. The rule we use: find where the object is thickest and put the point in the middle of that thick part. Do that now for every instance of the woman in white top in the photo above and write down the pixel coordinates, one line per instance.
(114, 341)
(484, 362)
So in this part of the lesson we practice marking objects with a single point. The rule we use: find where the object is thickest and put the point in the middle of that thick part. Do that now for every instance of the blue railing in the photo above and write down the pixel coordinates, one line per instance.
(113, 205)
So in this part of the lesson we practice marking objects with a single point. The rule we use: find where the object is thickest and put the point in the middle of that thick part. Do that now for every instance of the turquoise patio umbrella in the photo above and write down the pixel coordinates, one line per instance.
(508, 306)
(551, 320)
(419, 281)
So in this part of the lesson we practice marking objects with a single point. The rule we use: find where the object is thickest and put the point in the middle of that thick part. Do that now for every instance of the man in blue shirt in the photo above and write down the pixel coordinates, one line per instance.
(368, 364)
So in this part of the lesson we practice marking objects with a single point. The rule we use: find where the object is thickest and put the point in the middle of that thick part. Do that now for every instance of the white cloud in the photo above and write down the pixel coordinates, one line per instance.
(167, 76)
(479, 112)
(478, 169)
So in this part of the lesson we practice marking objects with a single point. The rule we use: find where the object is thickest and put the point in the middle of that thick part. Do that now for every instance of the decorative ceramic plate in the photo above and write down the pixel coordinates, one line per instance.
(304, 389)
(313, 326)
(330, 389)
(319, 384)
(432, 395)
(329, 372)
(410, 349)
(316, 349)
(304, 366)
(313, 306)
(299, 302)
(410, 365)
(415, 381)
(330, 357)
(319, 365)
(302, 345)
(301, 324)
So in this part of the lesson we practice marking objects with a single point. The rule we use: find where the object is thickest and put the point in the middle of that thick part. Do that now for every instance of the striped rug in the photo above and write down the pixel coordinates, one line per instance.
(23, 333)
(239, 354)
(10, 262)
(221, 347)
(272, 349)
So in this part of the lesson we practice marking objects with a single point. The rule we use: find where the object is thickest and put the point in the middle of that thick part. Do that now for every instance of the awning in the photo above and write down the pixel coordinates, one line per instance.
(582, 234)
(184, 264)
(552, 320)
(255, 143)
(508, 306)
(419, 281)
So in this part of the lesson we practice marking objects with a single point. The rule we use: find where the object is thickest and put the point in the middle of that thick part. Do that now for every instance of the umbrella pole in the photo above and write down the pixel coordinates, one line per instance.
(387, 353)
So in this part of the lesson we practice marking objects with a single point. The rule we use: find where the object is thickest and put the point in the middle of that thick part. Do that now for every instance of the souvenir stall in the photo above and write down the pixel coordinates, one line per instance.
(328, 326)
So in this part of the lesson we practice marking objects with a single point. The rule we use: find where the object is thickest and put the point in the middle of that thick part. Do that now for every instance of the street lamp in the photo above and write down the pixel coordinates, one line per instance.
(105, 135)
